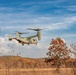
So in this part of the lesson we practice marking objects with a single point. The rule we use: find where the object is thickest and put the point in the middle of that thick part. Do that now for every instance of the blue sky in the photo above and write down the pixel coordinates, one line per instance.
(58, 16)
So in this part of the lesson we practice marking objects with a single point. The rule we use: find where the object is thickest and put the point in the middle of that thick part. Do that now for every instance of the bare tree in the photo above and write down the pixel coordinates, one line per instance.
(73, 46)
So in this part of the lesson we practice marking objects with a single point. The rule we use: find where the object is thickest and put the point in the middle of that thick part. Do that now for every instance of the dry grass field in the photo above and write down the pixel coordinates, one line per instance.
(37, 71)
(16, 65)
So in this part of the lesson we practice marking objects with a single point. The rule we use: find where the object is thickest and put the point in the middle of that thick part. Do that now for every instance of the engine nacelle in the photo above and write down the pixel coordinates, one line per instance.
(39, 35)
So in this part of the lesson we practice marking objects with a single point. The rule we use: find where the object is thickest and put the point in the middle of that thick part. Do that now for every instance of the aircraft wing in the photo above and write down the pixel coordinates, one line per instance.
(32, 36)
(11, 38)
(15, 39)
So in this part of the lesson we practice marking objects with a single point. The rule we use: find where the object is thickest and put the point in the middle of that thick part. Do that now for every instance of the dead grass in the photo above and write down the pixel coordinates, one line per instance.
(37, 71)
(16, 65)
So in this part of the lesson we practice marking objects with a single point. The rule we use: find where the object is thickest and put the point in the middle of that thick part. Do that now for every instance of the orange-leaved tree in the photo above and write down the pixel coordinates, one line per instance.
(58, 50)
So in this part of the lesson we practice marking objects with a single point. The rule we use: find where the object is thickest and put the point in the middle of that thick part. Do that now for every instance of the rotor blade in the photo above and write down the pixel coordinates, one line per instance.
(21, 32)
(37, 29)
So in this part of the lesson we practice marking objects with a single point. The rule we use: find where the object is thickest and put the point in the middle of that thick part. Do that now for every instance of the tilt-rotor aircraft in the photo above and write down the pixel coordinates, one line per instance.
(27, 40)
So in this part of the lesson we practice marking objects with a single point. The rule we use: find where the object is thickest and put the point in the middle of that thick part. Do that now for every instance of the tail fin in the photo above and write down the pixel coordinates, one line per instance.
(10, 37)
(18, 35)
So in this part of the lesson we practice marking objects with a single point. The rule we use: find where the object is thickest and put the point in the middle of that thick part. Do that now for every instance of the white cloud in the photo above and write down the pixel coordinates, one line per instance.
(68, 7)
(3, 45)
(46, 22)
(32, 50)
(2, 40)
(69, 35)
(64, 24)
(7, 47)
(43, 2)
(23, 20)
(72, 8)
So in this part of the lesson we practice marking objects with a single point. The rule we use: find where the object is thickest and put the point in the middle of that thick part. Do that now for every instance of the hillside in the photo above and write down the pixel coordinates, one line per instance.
(22, 62)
